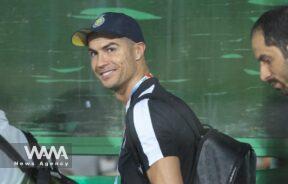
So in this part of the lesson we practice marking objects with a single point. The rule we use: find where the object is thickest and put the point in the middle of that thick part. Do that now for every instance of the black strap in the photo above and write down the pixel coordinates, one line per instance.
(32, 142)
(7, 148)
(43, 174)
(10, 151)
(39, 175)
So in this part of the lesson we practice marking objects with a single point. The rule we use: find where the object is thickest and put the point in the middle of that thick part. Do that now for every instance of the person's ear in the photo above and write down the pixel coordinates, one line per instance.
(139, 50)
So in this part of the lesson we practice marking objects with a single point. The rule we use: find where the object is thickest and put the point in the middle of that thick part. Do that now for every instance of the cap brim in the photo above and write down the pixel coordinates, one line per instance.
(79, 38)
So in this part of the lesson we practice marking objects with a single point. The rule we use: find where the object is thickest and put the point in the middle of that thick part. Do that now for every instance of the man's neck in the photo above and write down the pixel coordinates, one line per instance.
(123, 94)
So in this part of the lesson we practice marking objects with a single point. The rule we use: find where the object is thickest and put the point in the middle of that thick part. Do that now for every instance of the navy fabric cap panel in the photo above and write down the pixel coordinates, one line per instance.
(111, 23)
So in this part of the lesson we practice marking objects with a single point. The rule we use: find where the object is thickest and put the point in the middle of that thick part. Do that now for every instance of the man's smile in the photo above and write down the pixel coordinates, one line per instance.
(105, 74)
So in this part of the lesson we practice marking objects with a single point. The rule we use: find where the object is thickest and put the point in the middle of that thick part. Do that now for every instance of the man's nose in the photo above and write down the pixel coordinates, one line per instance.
(102, 60)
(265, 72)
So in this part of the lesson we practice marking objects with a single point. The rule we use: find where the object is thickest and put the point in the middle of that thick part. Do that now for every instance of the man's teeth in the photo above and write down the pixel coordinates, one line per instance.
(106, 73)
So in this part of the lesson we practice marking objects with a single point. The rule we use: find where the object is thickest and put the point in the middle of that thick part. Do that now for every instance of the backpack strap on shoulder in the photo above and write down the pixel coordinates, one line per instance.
(7, 148)
(42, 174)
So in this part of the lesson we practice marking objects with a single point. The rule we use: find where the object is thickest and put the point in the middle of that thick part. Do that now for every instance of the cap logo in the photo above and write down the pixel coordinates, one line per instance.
(99, 21)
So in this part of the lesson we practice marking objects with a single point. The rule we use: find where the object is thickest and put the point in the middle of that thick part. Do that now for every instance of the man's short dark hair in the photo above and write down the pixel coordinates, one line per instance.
(274, 24)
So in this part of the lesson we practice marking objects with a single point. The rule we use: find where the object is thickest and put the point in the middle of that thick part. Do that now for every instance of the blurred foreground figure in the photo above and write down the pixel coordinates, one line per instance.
(8, 172)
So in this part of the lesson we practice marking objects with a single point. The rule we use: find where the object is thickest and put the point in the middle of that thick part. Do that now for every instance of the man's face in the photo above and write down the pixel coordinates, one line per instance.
(273, 65)
(113, 61)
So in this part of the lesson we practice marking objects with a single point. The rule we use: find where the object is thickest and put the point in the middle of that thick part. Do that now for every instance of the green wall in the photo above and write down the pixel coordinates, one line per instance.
(200, 51)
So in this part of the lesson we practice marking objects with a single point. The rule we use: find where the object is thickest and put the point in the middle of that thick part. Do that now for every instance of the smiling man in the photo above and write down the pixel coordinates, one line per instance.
(158, 146)
(270, 47)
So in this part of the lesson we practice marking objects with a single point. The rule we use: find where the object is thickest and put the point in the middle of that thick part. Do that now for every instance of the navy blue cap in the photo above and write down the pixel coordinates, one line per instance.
(111, 23)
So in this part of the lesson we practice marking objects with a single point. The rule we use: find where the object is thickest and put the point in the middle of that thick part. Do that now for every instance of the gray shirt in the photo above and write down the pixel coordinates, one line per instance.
(12, 135)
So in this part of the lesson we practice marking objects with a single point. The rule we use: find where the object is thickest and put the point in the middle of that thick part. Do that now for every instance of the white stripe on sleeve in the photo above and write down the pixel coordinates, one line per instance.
(145, 132)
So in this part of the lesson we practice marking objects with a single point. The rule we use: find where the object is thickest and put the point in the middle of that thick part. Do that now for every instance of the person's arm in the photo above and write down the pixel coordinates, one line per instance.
(165, 171)
(153, 131)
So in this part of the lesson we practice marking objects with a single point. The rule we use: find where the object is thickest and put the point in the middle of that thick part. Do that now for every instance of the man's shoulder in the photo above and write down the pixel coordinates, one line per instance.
(156, 96)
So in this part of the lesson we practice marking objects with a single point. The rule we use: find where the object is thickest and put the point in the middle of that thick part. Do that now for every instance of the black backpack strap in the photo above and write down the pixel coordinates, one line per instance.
(42, 174)
(32, 142)
(45, 174)
(7, 148)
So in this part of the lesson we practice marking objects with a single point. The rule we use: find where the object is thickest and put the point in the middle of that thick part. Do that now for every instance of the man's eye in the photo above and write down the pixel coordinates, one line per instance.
(111, 49)
(92, 54)
(266, 60)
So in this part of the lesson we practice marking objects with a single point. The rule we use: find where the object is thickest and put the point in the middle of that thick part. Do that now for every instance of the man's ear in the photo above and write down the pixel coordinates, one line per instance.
(139, 50)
